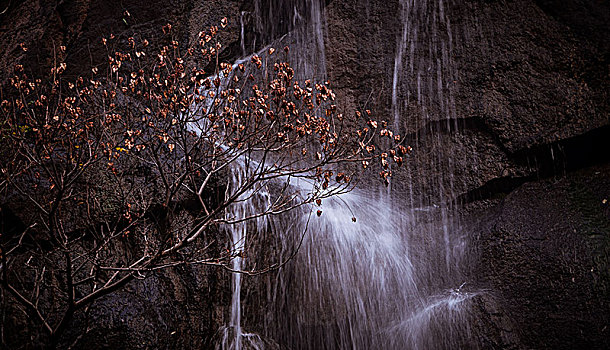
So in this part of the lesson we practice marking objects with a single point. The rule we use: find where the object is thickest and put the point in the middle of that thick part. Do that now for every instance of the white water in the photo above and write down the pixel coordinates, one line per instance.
(423, 102)
(249, 203)
(389, 280)
(302, 22)
(354, 285)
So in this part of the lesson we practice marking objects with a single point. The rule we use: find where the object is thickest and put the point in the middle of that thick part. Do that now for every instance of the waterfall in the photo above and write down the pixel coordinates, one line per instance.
(354, 285)
(423, 104)
(300, 25)
(392, 279)
(249, 203)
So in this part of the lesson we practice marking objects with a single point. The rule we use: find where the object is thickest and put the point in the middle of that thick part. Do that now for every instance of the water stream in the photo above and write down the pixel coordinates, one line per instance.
(356, 285)
(392, 279)
(249, 203)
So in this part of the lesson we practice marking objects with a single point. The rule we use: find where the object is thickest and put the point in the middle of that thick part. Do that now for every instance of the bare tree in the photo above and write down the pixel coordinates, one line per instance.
(123, 172)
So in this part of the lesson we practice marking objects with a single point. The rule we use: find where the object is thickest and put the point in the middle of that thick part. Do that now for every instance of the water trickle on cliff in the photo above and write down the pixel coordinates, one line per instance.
(248, 204)
(423, 104)
(392, 279)
(298, 24)
(354, 285)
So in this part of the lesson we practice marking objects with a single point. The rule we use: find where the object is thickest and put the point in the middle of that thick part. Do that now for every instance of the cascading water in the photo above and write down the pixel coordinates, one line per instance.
(307, 57)
(353, 284)
(247, 204)
(300, 24)
(390, 280)
(423, 90)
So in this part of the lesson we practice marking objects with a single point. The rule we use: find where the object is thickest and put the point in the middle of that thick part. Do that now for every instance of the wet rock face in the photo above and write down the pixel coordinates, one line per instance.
(532, 102)
(542, 81)
(527, 74)
(180, 309)
(530, 98)
(44, 26)
(545, 249)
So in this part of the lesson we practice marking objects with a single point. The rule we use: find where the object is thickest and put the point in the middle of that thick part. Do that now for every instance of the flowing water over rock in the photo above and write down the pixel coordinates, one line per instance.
(423, 102)
(351, 285)
(248, 204)
(357, 284)
(298, 24)
(392, 279)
